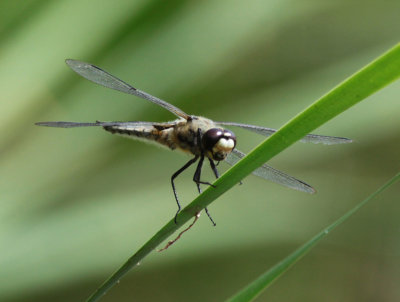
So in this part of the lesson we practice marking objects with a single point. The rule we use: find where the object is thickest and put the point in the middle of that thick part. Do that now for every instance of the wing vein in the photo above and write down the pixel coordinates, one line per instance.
(103, 78)
(272, 174)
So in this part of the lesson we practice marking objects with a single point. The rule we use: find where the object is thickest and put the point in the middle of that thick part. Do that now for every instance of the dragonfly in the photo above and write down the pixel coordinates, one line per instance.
(198, 136)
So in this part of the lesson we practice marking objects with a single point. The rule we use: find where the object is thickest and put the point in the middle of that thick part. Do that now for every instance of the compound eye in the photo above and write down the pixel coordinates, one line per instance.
(226, 142)
(219, 143)
(230, 135)
(211, 137)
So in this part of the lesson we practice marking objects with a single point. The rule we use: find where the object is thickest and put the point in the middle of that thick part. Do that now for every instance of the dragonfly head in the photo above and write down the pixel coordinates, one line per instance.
(218, 143)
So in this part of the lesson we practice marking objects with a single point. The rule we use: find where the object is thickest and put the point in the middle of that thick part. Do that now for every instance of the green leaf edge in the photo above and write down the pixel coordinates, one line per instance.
(374, 76)
(255, 288)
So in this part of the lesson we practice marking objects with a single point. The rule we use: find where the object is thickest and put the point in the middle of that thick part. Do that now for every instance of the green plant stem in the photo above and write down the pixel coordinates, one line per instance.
(255, 288)
(365, 82)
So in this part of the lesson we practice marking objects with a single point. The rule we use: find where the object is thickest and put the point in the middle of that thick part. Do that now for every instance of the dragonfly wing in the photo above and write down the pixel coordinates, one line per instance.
(102, 124)
(272, 174)
(101, 77)
(310, 138)
(65, 124)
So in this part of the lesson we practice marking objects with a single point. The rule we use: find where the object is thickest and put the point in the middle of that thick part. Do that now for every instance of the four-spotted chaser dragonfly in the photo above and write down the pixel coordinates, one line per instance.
(196, 135)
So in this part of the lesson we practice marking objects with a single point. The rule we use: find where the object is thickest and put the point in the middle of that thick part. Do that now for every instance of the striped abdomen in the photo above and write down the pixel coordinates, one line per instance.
(148, 133)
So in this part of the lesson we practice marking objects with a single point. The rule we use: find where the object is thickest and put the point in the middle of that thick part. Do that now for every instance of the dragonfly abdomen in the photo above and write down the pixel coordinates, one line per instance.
(146, 133)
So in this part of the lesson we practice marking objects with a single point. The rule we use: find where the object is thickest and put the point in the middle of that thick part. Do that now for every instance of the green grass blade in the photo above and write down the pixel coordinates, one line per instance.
(365, 82)
(255, 288)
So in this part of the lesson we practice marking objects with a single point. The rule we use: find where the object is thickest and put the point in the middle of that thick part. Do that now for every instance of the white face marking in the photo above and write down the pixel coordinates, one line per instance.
(228, 134)
(225, 144)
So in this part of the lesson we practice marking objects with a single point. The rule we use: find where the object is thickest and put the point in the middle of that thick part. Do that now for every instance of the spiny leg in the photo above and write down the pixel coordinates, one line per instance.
(196, 179)
(198, 170)
(188, 164)
(196, 176)
(214, 168)
(209, 216)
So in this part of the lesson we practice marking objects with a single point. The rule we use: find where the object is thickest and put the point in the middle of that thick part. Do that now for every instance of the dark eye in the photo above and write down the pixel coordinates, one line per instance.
(214, 135)
(211, 137)
(230, 135)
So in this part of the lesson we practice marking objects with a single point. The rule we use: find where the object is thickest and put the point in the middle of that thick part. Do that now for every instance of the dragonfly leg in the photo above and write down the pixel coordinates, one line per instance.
(187, 165)
(214, 168)
(196, 179)
(209, 216)
(196, 176)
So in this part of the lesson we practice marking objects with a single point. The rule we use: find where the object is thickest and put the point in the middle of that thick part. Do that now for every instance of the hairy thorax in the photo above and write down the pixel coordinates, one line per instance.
(186, 134)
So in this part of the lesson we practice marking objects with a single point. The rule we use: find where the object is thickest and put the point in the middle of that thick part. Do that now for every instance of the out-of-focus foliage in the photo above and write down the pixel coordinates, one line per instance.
(257, 286)
(76, 203)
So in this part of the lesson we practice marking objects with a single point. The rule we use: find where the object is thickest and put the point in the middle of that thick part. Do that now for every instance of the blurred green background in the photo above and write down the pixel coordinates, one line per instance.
(76, 203)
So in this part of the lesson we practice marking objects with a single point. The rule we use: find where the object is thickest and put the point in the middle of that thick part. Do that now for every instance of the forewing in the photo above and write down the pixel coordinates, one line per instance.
(272, 174)
(101, 124)
(101, 77)
(310, 138)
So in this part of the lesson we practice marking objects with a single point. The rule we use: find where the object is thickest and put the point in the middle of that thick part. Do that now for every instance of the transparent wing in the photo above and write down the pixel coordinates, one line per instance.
(272, 174)
(102, 124)
(101, 77)
(310, 138)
